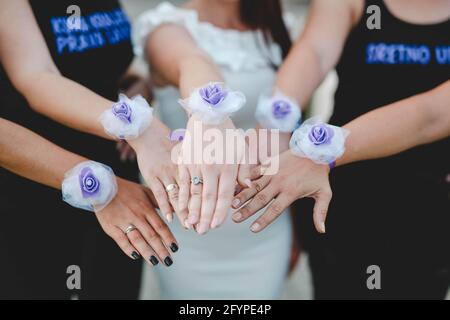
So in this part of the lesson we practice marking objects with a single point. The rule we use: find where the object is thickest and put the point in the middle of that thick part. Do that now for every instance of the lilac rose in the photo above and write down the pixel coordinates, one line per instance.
(321, 134)
(281, 109)
(89, 183)
(122, 111)
(213, 94)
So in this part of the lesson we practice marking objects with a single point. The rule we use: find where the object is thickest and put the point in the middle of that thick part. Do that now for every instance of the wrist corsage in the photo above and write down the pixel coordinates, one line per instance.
(278, 112)
(128, 118)
(318, 141)
(89, 186)
(213, 103)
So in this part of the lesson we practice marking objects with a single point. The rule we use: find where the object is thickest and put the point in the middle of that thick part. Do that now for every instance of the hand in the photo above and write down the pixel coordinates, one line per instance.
(208, 203)
(153, 149)
(132, 206)
(297, 178)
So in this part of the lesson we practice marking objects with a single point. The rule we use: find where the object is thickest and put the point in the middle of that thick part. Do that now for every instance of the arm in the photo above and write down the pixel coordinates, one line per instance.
(318, 49)
(415, 121)
(41, 161)
(421, 119)
(176, 59)
(28, 63)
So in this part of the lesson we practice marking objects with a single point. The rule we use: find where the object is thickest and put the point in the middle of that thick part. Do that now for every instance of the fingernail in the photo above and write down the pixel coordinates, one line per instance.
(237, 216)
(135, 255)
(192, 219)
(215, 223)
(169, 217)
(322, 227)
(201, 229)
(187, 225)
(255, 227)
(236, 202)
(248, 182)
(153, 260)
(174, 247)
(168, 261)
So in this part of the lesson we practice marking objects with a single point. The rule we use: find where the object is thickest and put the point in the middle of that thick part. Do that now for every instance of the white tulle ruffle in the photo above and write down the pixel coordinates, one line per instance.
(106, 189)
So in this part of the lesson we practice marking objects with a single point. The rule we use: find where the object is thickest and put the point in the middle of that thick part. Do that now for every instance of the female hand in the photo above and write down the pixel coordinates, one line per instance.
(132, 207)
(153, 149)
(208, 202)
(297, 178)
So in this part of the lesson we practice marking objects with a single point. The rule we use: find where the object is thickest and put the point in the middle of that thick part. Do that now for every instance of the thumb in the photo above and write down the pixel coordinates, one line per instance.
(321, 209)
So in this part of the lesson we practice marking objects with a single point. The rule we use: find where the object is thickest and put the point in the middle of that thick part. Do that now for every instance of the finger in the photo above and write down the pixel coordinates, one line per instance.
(183, 195)
(245, 175)
(208, 203)
(160, 227)
(275, 209)
(161, 197)
(138, 241)
(171, 194)
(225, 197)
(195, 202)
(153, 240)
(124, 244)
(248, 193)
(321, 209)
(259, 201)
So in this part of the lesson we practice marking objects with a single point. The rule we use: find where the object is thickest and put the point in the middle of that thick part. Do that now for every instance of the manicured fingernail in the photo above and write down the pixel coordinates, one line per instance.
(169, 217)
(187, 225)
(322, 227)
(153, 260)
(135, 255)
(215, 223)
(174, 247)
(192, 219)
(168, 261)
(237, 216)
(236, 202)
(201, 229)
(248, 182)
(255, 227)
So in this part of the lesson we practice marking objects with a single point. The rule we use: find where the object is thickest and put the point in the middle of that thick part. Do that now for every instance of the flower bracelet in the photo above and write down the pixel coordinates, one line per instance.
(89, 186)
(213, 103)
(318, 141)
(128, 118)
(278, 112)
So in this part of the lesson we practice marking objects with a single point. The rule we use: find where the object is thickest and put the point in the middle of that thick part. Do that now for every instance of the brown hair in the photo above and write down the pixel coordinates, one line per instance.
(267, 15)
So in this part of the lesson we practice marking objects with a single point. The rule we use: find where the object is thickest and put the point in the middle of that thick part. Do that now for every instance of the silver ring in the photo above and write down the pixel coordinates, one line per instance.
(171, 187)
(130, 229)
(196, 180)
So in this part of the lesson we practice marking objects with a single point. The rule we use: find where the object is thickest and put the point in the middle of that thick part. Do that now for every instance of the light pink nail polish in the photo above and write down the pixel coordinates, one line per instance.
(255, 227)
(248, 182)
(236, 203)
(237, 216)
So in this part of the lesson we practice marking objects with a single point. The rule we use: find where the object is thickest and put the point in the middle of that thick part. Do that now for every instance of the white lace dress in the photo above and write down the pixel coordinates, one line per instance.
(229, 262)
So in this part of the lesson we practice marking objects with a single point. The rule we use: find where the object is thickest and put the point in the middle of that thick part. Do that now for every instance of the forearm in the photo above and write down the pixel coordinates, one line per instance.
(31, 156)
(301, 74)
(196, 71)
(386, 131)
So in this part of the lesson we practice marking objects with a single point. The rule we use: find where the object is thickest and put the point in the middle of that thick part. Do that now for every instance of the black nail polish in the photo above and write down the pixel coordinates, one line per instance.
(153, 260)
(174, 247)
(168, 261)
(135, 255)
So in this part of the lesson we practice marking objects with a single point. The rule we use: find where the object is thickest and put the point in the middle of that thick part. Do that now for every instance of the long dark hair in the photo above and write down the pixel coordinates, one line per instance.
(267, 15)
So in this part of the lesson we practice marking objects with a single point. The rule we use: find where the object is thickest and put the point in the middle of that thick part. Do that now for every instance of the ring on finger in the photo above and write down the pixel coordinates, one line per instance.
(171, 187)
(130, 229)
(196, 180)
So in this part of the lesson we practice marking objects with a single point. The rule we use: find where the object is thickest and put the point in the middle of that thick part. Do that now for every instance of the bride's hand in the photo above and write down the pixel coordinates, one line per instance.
(153, 149)
(208, 202)
(132, 207)
(297, 178)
